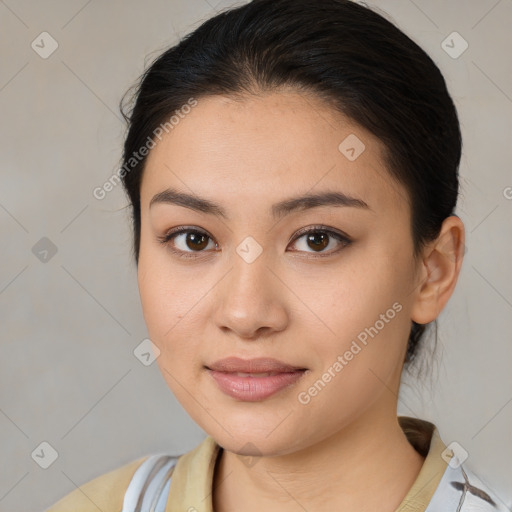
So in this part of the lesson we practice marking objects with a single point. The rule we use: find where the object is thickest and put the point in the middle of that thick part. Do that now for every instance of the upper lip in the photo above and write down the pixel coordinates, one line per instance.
(257, 365)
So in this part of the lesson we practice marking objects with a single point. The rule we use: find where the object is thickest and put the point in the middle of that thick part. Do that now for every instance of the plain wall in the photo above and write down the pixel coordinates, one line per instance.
(69, 324)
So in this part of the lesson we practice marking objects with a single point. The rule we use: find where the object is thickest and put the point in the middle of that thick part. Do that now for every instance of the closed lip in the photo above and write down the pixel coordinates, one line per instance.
(256, 365)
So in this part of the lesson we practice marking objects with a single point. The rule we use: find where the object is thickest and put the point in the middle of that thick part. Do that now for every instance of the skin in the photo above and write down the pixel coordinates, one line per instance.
(247, 154)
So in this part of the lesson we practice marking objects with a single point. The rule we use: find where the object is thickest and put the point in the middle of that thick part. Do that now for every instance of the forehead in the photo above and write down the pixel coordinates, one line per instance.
(263, 148)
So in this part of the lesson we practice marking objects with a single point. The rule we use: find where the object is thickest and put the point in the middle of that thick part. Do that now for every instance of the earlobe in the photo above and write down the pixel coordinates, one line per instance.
(440, 268)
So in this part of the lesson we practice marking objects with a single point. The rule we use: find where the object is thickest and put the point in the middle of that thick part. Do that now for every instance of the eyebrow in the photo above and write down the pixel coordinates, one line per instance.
(278, 210)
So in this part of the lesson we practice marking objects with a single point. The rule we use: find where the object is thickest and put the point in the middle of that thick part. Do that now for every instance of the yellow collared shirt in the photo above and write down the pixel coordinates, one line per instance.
(442, 485)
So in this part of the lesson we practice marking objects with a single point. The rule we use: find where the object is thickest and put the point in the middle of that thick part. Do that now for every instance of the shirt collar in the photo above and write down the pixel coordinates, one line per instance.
(191, 482)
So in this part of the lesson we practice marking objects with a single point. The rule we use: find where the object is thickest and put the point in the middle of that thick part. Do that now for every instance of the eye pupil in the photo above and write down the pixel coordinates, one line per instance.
(198, 240)
(320, 240)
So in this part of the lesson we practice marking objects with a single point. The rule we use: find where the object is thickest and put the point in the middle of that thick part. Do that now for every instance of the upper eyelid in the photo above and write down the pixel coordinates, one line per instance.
(301, 231)
(339, 235)
(317, 227)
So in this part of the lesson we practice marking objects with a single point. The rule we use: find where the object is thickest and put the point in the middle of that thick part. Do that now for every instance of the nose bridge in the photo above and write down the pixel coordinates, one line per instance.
(250, 273)
(250, 268)
(249, 297)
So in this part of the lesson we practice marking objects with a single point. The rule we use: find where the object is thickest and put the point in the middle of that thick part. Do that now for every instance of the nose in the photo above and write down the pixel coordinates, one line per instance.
(251, 300)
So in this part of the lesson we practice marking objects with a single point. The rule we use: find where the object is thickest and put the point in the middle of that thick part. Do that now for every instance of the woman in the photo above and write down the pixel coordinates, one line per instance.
(292, 168)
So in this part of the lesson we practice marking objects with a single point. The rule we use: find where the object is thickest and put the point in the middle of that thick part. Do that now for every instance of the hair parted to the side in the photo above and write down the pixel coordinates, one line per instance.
(338, 50)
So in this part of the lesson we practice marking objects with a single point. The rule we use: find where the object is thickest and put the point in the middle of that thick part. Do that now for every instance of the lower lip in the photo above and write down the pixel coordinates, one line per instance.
(254, 389)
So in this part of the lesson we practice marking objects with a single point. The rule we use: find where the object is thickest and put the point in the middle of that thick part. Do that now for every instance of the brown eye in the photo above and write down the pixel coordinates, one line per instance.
(196, 241)
(318, 239)
(186, 241)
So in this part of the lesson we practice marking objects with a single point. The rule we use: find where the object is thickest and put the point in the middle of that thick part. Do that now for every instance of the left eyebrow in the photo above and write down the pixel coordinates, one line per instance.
(308, 201)
(304, 202)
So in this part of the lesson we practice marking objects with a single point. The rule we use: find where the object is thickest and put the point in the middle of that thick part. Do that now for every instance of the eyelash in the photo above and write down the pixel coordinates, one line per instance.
(167, 237)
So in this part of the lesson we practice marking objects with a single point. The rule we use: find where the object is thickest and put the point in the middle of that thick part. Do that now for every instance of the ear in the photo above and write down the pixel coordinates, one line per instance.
(440, 265)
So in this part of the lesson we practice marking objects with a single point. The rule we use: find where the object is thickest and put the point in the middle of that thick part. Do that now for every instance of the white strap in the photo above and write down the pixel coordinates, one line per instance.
(149, 487)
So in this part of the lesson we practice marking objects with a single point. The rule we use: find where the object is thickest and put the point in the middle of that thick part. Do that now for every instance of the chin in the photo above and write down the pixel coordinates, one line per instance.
(253, 434)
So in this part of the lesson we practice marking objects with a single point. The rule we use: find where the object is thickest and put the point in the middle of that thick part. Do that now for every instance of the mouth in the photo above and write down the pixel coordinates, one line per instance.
(252, 380)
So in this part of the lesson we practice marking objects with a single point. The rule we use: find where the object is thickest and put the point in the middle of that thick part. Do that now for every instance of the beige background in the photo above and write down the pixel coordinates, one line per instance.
(69, 325)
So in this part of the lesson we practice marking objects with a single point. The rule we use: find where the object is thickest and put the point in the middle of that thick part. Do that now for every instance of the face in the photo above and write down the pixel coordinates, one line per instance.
(312, 298)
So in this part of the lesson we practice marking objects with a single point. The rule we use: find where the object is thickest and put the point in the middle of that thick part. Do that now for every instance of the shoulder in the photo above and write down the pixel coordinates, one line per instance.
(105, 492)
(445, 482)
(460, 489)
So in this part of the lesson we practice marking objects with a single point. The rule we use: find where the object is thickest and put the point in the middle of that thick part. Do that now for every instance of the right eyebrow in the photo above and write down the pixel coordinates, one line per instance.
(280, 209)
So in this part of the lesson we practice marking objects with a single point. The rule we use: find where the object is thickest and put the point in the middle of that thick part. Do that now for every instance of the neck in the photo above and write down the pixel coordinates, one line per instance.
(369, 465)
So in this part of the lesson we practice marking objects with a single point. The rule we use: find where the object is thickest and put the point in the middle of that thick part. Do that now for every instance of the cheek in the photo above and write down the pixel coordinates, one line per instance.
(174, 301)
(365, 290)
(368, 314)
(164, 300)
(361, 362)
(165, 303)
